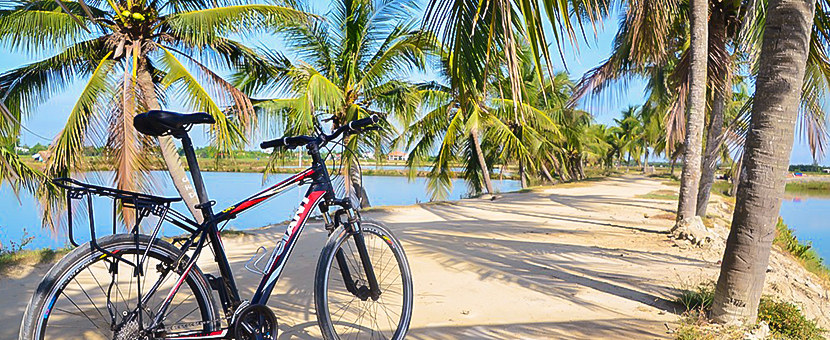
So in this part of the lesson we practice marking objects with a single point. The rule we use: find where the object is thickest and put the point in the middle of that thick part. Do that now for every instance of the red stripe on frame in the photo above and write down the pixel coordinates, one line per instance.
(248, 204)
(253, 201)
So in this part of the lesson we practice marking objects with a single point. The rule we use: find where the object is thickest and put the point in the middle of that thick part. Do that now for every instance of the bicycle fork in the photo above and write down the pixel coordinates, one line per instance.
(361, 292)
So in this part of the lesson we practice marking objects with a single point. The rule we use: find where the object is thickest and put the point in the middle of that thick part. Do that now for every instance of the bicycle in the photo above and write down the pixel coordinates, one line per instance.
(139, 286)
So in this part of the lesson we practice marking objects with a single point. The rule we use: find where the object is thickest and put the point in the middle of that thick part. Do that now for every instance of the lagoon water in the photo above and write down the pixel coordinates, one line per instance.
(807, 215)
(223, 187)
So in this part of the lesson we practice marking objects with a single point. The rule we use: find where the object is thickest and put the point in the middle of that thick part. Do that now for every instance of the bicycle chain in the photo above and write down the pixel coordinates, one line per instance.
(193, 324)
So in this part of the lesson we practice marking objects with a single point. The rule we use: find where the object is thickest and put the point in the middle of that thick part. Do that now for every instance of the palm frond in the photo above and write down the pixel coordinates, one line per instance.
(23, 88)
(226, 134)
(204, 26)
(20, 175)
(42, 25)
(68, 145)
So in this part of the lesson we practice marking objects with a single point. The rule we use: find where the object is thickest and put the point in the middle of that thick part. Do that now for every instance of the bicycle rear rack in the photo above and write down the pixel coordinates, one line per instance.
(143, 204)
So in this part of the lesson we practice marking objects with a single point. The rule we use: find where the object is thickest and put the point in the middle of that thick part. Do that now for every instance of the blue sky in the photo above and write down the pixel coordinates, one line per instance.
(48, 119)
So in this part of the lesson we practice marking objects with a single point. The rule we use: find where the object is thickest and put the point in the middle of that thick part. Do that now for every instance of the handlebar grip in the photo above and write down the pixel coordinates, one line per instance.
(362, 123)
(291, 142)
(275, 143)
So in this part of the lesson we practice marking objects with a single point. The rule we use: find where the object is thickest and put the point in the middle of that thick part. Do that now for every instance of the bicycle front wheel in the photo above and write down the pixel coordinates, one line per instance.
(345, 312)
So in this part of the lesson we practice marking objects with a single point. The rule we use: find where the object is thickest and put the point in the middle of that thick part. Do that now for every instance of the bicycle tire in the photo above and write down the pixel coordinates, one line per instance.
(327, 272)
(35, 322)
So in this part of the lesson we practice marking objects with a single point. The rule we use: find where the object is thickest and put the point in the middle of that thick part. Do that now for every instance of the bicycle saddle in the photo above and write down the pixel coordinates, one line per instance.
(161, 123)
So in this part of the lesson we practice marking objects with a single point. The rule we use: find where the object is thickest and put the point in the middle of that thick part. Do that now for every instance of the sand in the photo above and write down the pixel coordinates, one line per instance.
(584, 261)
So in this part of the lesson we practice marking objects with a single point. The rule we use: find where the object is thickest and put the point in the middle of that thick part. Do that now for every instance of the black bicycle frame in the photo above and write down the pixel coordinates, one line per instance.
(208, 231)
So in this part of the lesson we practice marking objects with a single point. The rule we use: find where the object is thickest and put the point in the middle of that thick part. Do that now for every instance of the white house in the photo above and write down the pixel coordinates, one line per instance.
(397, 156)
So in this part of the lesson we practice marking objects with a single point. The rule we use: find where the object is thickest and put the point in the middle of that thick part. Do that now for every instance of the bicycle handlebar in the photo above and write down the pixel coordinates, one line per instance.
(292, 142)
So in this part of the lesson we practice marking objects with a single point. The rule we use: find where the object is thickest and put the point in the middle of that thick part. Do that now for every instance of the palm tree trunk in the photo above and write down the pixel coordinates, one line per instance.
(169, 151)
(645, 160)
(582, 168)
(736, 176)
(696, 111)
(710, 159)
(559, 168)
(353, 183)
(713, 135)
(781, 68)
(547, 173)
(522, 174)
(485, 172)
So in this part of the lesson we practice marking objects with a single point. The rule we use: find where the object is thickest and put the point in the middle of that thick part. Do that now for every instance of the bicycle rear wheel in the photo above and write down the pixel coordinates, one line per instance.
(88, 295)
(343, 314)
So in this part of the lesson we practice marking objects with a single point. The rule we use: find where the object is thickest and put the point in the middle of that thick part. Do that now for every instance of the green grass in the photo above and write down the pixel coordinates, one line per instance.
(809, 187)
(660, 195)
(786, 239)
(700, 297)
(30, 257)
(721, 188)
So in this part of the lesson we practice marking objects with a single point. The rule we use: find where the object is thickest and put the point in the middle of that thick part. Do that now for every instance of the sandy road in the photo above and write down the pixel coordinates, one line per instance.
(590, 261)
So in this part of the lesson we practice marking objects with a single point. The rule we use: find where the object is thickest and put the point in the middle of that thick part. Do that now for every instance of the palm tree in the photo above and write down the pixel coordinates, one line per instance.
(630, 130)
(582, 141)
(614, 153)
(766, 157)
(131, 54)
(450, 123)
(476, 32)
(523, 130)
(651, 131)
(354, 64)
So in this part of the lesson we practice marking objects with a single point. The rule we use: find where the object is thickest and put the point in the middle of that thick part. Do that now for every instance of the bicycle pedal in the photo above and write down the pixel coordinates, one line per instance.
(253, 264)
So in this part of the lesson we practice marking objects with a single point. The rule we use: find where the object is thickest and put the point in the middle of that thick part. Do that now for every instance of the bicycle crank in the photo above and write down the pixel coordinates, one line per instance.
(255, 322)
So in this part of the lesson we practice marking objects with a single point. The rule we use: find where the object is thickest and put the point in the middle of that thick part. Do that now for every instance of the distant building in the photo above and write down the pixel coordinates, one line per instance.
(397, 156)
(826, 171)
(21, 149)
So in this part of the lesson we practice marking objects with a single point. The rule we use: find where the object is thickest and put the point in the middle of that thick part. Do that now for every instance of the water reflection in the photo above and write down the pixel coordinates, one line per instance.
(226, 189)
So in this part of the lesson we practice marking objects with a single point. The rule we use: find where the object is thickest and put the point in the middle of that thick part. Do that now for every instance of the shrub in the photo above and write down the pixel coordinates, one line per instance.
(786, 320)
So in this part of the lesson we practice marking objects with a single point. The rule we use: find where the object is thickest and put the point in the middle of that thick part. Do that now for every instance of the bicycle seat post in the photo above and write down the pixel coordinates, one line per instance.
(196, 175)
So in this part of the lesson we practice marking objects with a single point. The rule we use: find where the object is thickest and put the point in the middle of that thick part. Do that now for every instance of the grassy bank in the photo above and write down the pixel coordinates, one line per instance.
(802, 251)
(809, 187)
(18, 257)
(722, 188)
(258, 165)
(785, 319)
